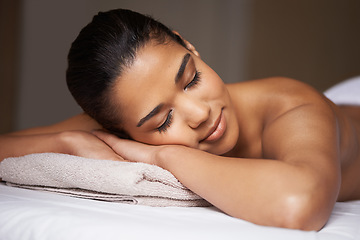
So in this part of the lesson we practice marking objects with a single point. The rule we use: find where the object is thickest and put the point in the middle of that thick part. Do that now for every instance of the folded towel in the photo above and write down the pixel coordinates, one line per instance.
(134, 183)
(346, 92)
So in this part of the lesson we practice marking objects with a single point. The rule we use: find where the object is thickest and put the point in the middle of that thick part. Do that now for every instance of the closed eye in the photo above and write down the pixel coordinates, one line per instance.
(166, 124)
(195, 80)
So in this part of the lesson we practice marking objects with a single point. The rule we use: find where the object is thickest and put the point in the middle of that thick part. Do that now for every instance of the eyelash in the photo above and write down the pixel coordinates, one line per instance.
(195, 80)
(163, 128)
(167, 123)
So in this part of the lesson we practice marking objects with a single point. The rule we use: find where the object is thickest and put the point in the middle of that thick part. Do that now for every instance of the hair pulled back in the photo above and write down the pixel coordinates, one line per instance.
(99, 55)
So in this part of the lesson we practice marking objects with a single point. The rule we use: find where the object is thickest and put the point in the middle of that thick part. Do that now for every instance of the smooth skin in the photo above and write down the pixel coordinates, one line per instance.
(282, 156)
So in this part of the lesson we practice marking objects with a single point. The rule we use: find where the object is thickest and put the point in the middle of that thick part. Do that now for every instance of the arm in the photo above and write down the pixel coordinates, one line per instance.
(70, 136)
(297, 189)
(265, 192)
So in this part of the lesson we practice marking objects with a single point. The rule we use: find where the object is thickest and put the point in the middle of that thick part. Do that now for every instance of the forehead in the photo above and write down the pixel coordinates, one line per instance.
(145, 83)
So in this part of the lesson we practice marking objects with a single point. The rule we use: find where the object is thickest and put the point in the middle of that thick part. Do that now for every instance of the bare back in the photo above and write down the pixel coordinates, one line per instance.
(350, 161)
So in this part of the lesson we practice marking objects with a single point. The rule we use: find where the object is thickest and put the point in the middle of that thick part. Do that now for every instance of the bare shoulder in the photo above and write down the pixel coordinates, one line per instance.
(274, 87)
(273, 111)
(276, 95)
(300, 125)
(294, 124)
(274, 83)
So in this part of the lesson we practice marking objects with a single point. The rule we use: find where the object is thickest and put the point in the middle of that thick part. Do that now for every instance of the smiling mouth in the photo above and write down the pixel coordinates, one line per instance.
(217, 131)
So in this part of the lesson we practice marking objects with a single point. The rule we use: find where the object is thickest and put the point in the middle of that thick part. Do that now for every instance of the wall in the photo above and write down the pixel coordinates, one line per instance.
(313, 41)
(49, 27)
(9, 56)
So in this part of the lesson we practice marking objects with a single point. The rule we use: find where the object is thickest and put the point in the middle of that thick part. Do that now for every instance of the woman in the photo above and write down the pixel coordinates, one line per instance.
(271, 151)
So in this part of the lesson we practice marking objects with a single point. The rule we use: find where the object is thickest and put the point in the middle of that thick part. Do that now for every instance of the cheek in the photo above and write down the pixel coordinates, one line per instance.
(177, 134)
(168, 138)
(213, 85)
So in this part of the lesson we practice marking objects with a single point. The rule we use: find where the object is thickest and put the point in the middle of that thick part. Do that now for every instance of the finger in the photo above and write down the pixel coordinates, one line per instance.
(120, 146)
(108, 138)
(128, 149)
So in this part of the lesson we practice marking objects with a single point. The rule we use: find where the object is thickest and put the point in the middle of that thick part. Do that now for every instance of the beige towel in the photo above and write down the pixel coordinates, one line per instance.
(134, 183)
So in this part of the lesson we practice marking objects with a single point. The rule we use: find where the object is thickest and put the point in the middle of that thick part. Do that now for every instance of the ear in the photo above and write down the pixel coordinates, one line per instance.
(188, 45)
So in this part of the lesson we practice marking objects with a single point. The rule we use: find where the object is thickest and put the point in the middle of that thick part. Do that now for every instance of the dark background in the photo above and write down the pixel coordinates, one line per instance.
(315, 41)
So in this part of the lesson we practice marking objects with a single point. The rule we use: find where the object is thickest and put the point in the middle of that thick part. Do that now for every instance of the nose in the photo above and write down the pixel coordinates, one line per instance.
(194, 111)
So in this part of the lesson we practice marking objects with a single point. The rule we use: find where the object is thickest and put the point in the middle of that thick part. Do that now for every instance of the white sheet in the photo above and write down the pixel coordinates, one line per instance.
(27, 214)
(346, 92)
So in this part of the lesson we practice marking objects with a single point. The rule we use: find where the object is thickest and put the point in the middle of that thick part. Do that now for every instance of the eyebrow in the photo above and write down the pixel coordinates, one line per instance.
(155, 111)
(179, 74)
(184, 62)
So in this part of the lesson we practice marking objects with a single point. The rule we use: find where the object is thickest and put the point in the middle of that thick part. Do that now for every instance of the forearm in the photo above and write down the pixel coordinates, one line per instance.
(296, 193)
(19, 145)
(62, 137)
(266, 192)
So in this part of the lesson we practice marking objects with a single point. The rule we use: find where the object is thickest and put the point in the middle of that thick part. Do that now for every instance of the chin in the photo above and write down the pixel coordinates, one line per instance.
(223, 147)
(225, 150)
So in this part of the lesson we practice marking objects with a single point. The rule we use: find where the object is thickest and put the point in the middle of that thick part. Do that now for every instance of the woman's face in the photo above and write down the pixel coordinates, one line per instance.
(170, 96)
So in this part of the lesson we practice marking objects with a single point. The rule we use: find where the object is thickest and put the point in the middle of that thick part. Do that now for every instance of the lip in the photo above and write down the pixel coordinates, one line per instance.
(217, 131)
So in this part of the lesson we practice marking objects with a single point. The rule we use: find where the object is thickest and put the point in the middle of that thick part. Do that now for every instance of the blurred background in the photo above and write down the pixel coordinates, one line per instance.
(315, 41)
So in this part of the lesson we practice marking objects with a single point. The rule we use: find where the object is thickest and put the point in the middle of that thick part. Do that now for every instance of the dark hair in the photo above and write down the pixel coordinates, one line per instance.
(100, 53)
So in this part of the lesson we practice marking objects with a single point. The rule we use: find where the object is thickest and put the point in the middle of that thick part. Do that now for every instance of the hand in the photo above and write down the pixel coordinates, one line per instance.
(128, 149)
(85, 144)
